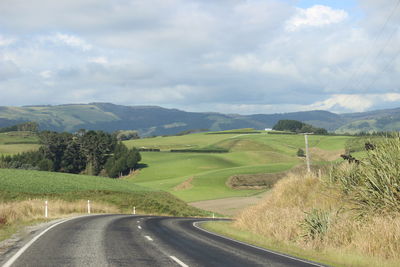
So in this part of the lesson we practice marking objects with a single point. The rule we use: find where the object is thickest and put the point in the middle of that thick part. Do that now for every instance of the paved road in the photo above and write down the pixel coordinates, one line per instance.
(123, 240)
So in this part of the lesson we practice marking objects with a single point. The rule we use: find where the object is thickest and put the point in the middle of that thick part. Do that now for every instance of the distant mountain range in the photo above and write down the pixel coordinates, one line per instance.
(153, 120)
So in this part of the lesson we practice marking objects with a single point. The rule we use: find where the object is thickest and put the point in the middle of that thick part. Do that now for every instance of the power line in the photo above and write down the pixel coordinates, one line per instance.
(389, 63)
(357, 72)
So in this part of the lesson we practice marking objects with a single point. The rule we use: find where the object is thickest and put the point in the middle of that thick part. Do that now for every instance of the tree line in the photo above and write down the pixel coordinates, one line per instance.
(87, 152)
(26, 126)
(298, 127)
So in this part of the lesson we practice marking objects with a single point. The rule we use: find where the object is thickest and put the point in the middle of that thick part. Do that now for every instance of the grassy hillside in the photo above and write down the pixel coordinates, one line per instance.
(22, 195)
(150, 120)
(202, 176)
(17, 185)
(17, 142)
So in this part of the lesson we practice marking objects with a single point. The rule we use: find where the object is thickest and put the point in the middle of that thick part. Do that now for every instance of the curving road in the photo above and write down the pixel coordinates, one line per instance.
(128, 240)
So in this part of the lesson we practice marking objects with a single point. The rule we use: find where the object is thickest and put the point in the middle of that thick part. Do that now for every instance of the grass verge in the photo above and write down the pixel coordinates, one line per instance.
(22, 196)
(330, 257)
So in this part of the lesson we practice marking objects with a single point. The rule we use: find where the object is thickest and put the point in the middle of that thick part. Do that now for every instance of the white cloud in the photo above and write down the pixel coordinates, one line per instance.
(234, 55)
(391, 97)
(354, 102)
(46, 74)
(344, 102)
(281, 68)
(250, 63)
(71, 40)
(244, 63)
(315, 16)
(6, 41)
(99, 60)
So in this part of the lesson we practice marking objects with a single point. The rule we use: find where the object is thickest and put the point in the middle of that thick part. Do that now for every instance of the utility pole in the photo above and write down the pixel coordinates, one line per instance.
(307, 153)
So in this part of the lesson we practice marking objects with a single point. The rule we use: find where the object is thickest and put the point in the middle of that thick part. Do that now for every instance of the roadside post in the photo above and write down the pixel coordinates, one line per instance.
(88, 206)
(46, 209)
(134, 210)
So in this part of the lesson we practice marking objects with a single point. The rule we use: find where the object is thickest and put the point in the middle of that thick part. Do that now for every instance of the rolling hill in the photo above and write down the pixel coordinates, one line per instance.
(203, 176)
(153, 120)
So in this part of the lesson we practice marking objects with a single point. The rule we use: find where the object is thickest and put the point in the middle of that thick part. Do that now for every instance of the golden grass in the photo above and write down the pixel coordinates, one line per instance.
(28, 210)
(278, 217)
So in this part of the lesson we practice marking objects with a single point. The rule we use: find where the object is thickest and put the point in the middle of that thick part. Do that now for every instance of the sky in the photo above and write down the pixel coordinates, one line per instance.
(229, 56)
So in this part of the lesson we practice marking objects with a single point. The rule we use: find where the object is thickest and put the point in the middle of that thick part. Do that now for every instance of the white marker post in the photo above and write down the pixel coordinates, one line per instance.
(88, 206)
(134, 210)
(213, 216)
(46, 209)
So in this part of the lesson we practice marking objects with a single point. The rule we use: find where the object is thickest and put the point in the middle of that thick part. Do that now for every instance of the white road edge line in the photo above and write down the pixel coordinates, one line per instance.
(140, 227)
(178, 261)
(195, 224)
(148, 238)
(27, 245)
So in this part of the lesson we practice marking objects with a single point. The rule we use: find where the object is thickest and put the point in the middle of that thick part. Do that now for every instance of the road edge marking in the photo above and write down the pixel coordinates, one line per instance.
(178, 261)
(27, 245)
(260, 248)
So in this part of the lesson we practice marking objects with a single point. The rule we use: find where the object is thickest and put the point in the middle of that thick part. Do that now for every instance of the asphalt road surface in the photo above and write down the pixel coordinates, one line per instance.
(124, 240)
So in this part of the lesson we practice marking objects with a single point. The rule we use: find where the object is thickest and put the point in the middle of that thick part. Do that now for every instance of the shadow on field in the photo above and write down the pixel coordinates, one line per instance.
(142, 166)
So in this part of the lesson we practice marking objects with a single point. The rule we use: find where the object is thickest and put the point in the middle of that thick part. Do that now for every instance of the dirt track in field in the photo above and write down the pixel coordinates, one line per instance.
(228, 206)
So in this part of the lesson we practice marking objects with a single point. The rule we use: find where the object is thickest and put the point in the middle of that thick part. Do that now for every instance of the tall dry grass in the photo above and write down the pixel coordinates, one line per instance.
(284, 216)
(28, 210)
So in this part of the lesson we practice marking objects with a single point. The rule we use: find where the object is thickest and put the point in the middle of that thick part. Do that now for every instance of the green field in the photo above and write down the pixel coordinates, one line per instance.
(207, 173)
(39, 182)
(17, 142)
(18, 185)
(189, 176)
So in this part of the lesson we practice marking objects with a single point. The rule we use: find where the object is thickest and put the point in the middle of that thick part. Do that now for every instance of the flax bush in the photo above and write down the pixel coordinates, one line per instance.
(315, 224)
(373, 185)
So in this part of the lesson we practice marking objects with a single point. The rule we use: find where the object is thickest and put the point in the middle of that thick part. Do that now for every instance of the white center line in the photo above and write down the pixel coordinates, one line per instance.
(178, 261)
(140, 227)
(138, 221)
(148, 238)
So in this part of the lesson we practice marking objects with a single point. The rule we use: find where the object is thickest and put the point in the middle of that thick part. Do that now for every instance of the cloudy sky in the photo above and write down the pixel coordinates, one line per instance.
(230, 56)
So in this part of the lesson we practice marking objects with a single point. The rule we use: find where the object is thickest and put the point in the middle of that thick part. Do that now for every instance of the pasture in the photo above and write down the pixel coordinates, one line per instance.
(203, 176)
(17, 142)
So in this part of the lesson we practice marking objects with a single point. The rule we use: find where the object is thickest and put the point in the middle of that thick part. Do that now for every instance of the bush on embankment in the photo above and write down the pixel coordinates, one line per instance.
(353, 210)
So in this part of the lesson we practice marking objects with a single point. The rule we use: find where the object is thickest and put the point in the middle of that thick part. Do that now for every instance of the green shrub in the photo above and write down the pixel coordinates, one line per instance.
(315, 224)
(300, 153)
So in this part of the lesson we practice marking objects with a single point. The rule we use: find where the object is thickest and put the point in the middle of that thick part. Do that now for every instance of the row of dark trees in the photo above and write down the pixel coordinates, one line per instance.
(298, 127)
(26, 126)
(89, 152)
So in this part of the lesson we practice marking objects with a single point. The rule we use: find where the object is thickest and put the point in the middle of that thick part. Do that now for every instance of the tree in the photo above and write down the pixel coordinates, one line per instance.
(126, 135)
(96, 146)
(123, 161)
(26, 126)
(288, 125)
(53, 146)
(46, 165)
(73, 161)
(298, 127)
(300, 153)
